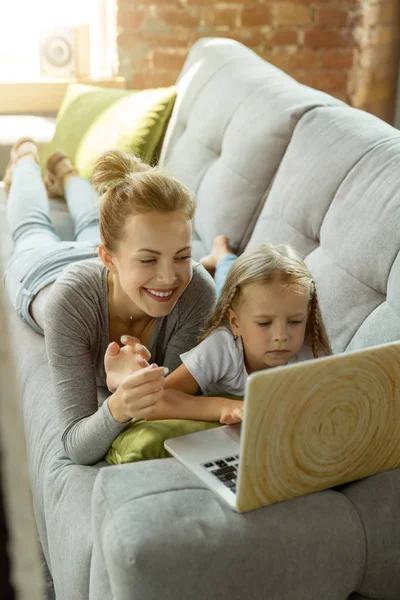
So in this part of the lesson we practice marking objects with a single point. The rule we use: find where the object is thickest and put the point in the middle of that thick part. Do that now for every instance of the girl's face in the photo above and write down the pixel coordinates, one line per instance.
(271, 320)
(153, 262)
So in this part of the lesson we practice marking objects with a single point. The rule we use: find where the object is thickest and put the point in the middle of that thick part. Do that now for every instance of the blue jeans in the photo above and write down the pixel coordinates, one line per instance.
(222, 270)
(39, 254)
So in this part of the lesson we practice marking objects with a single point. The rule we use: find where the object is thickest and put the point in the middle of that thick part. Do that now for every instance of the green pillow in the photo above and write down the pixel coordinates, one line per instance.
(144, 440)
(92, 120)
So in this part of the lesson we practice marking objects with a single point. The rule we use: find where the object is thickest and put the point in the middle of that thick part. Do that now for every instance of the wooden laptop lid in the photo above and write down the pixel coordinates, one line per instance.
(318, 424)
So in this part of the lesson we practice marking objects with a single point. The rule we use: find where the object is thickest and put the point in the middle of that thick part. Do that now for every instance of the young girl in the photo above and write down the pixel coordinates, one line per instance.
(267, 316)
(128, 272)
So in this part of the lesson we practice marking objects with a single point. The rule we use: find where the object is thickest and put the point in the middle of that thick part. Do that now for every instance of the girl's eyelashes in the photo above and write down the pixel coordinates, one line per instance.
(291, 322)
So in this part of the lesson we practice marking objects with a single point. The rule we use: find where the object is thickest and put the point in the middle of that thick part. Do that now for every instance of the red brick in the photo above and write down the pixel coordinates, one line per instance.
(304, 59)
(331, 17)
(341, 95)
(238, 3)
(356, 18)
(336, 80)
(327, 81)
(338, 60)
(157, 40)
(292, 14)
(218, 16)
(132, 18)
(282, 38)
(178, 17)
(154, 79)
(168, 60)
(355, 4)
(325, 38)
(173, 3)
(279, 60)
(249, 36)
(256, 15)
(308, 2)
(314, 79)
(127, 42)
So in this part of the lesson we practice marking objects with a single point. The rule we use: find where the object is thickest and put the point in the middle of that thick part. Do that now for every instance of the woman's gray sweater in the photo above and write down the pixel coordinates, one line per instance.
(77, 335)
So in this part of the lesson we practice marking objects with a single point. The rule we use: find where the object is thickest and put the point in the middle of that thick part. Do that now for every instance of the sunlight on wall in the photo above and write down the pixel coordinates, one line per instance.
(21, 22)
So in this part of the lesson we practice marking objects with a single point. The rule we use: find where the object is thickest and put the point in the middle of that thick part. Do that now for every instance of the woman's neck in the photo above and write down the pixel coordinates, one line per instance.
(120, 308)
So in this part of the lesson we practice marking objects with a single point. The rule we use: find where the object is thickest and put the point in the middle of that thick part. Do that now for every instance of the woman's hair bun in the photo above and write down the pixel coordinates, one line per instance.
(112, 169)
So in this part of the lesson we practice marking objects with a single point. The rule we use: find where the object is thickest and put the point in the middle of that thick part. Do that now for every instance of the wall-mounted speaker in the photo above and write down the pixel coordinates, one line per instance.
(65, 52)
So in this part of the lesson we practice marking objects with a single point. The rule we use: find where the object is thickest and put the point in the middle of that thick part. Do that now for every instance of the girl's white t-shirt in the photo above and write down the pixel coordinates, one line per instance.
(217, 363)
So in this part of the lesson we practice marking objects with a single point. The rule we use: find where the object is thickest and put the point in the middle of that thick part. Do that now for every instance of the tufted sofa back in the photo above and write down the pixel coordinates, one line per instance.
(272, 160)
(232, 121)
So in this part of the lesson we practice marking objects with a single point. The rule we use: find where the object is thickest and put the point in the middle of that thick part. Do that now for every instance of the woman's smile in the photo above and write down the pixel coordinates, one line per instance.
(160, 295)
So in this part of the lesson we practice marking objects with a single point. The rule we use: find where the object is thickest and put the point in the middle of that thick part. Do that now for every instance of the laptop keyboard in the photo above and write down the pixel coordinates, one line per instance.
(225, 469)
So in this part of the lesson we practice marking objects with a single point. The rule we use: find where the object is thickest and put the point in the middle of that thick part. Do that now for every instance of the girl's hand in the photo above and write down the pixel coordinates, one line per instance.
(232, 414)
(121, 362)
(138, 394)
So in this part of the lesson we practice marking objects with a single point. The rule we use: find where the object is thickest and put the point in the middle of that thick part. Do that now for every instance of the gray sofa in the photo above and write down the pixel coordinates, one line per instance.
(269, 159)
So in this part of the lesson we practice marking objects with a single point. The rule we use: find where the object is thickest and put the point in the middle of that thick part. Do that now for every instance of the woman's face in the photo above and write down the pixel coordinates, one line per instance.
(153, 261)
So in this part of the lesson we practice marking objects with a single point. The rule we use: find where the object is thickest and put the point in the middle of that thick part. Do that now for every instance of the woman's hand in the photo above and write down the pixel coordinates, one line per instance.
(233, 413)
(138, 394)
(121, 362)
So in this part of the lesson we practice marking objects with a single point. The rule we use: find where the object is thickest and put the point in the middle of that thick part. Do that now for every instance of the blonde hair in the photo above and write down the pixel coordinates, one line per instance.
(271, 263)
(128, 186)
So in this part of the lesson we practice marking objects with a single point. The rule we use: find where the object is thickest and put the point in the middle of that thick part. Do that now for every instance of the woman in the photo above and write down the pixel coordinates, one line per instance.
(143, 283)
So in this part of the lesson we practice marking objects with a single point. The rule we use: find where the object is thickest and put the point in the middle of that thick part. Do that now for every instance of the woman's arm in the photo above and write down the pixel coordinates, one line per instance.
(70, 321)
(177, 405)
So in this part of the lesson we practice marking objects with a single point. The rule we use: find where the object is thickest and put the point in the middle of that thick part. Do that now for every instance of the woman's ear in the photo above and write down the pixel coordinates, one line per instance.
(107, 259)
(233, 322)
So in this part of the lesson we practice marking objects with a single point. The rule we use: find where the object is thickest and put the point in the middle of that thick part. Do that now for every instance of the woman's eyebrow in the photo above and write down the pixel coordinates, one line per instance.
(159, 253)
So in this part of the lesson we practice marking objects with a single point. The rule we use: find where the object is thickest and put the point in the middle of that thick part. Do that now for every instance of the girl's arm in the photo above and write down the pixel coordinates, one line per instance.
(181, 379)
(178, 405)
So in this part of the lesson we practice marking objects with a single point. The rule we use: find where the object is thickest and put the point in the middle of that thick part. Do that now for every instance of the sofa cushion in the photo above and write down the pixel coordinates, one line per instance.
(229, 130)
(92, 120)
(160, 533)
(336, 199)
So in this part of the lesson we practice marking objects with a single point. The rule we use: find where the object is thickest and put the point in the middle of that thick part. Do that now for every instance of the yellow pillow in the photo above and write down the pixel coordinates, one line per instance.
(144, 440)
(92, 120)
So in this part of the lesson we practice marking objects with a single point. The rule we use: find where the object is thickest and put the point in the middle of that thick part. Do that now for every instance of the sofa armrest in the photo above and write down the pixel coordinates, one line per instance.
(159, 533)
(377, 501)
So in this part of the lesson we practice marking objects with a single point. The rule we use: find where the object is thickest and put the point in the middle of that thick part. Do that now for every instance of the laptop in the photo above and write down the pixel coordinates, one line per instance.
(306, 427)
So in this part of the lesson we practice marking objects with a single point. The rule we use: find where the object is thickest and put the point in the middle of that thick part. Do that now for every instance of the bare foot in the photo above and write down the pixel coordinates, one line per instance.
(220, 249)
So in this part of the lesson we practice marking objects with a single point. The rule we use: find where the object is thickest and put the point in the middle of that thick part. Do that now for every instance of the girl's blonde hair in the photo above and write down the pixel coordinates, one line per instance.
(129, 186)
(271, 263)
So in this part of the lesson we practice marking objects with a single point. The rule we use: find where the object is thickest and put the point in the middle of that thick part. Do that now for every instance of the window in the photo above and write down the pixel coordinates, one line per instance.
(22, 21)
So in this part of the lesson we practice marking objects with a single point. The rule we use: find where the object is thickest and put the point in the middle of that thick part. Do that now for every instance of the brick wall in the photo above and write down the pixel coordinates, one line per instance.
(348, 48)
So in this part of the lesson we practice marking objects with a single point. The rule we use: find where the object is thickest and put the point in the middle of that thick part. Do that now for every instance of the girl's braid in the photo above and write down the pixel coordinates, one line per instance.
(315, 321)
(219, 314)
